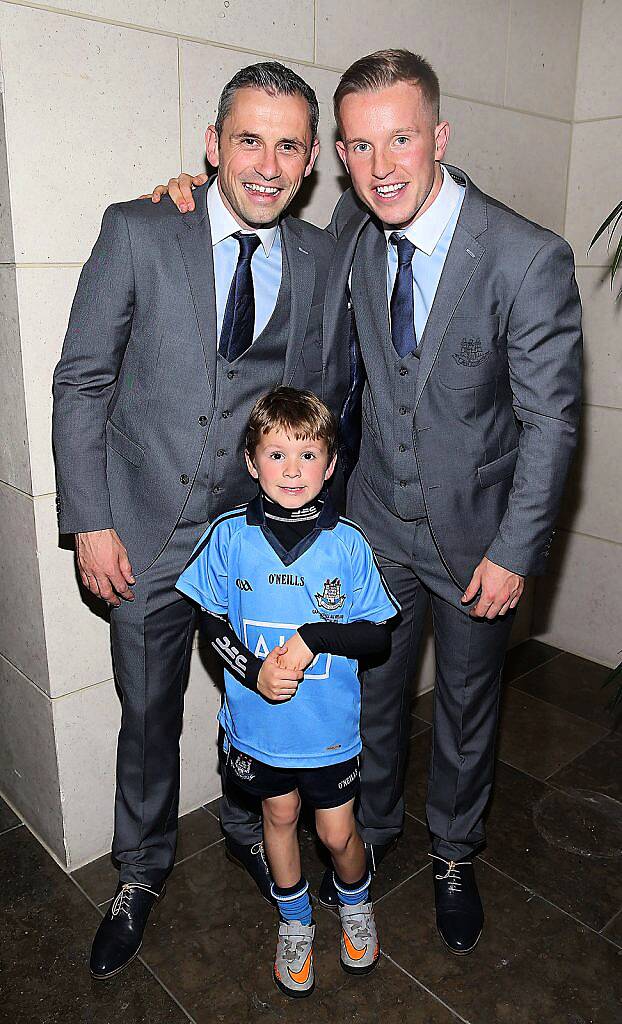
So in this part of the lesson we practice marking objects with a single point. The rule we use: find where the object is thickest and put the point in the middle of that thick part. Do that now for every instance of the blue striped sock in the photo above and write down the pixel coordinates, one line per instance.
(293, 902)
(352, 893)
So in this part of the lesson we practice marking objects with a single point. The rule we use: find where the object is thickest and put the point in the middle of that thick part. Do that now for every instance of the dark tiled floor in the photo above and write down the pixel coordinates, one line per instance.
(550, 877)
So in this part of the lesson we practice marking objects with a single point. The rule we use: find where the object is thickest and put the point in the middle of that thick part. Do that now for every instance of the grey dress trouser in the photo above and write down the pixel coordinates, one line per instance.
(469, 660)
(151, 648)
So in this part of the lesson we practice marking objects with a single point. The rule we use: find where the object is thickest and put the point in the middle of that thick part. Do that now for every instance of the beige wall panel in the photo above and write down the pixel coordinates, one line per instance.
(95, 117)
(592, 502)
(517, 158)
(205, 70)
(14, 453)
(76, 626)
(593, 186)
(579, 604)
(22, 639)
(200, 780)
(28, 768)
(7, 253)
(285, 28)
(599, 73)
(602, 331)
(542, 56)
(465, 40)
(86, 724)
(45, 297)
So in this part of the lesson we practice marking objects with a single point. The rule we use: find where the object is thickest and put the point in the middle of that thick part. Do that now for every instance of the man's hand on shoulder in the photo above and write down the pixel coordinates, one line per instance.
(276, 682)
(104, 566)
(499, 589)
(180, 191)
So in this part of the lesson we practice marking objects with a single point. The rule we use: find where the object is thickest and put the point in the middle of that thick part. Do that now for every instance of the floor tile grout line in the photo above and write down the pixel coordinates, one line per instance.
(550, 903)
(429, 991)
(400, 884)
(11, 828)
(547, 661)
(610, 921)
(139, 958)
(581, 753)
(177, 863)
(541, 700)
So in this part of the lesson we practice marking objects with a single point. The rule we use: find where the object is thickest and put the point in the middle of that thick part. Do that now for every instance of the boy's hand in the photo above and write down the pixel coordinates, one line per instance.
(275, 682)
(296, 655)
(180, 191)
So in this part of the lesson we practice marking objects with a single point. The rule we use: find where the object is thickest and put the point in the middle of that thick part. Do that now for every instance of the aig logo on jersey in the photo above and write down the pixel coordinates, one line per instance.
(331, 599)
(263, 637)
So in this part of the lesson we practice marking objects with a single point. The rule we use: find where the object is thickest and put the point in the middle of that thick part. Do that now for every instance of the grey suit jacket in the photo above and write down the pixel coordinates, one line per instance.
(138, 366)
(497, 399)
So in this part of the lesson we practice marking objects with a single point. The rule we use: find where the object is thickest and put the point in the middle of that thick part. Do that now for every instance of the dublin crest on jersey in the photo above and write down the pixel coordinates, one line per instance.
(331, 599)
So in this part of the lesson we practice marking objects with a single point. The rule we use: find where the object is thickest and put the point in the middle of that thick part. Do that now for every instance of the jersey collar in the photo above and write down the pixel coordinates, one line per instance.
(327, 520)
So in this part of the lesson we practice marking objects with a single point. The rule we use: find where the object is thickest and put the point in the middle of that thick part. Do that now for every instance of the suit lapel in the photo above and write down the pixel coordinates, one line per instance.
(195, 241)
(338, 278)
(369, 290)
(299, 261)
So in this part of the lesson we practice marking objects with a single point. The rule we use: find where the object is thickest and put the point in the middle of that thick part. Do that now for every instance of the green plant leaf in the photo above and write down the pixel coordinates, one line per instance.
(603, 227)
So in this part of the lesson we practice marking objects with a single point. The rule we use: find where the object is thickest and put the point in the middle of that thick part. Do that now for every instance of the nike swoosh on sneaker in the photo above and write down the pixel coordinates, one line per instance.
(352, 951)
(301, 976)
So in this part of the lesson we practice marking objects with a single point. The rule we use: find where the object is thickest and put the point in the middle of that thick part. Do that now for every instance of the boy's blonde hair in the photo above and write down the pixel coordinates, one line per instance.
(300, 414)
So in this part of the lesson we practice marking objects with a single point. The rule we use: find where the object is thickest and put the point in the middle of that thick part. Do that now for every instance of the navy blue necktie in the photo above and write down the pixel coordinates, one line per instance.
(238, 323)
(402, 298)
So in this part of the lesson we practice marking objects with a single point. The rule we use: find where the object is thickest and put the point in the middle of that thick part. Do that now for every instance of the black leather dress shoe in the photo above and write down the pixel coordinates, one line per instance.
(252, 859)
(120, 934)
(459, 911)
(374, 854)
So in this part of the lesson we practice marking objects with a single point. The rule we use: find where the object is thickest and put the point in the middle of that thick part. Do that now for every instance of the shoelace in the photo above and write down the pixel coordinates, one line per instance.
(360, 927)
(455, 881)
(292, 949)
(122, 899)
(258, 849)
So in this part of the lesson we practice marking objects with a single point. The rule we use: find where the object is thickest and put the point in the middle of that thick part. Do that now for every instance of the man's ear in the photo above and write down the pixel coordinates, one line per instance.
(441, 138)
(251, 466)
(342, 153)
(330, 468)
(211, 145)
(313, 155)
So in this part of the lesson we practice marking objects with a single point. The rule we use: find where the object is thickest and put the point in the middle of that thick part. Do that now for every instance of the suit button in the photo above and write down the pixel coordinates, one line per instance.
(221, 452)
(232, 374)
(402, 448)
(217, 489)
(403, 371)
(184, 479)
(226, 414)
(203, 421)
(403, 483)
(403, 410)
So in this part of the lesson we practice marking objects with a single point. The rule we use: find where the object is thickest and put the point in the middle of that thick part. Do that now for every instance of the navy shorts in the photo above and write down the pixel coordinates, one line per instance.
(330, 785)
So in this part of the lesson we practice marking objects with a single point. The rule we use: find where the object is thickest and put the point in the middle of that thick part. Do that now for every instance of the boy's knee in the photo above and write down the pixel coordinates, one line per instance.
(282, 812)
(335, 837)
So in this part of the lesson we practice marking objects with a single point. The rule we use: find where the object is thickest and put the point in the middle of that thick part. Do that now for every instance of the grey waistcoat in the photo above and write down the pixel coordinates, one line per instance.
(222, 480)
(389, 395)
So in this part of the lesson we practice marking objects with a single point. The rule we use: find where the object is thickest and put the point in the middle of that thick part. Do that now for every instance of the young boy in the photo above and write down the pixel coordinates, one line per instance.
(294, 596)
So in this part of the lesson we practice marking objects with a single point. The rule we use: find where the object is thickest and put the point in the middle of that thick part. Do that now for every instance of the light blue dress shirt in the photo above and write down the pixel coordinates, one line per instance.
(431, 234)
(266, 264)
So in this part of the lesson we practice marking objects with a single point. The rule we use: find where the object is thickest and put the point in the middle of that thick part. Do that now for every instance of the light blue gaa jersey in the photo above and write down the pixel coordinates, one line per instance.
(239, 569)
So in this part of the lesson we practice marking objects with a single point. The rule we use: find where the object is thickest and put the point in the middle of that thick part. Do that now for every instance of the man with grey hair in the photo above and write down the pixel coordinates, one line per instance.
(176, 329)
(469, 324)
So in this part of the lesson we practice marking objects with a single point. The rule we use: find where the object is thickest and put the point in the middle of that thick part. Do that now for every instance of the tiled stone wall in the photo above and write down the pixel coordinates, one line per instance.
(101, 101)
(579, 606)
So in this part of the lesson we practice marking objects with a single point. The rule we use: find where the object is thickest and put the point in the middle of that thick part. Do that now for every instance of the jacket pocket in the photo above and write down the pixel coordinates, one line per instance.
(123, 445)
(468, 355)
(498, 470)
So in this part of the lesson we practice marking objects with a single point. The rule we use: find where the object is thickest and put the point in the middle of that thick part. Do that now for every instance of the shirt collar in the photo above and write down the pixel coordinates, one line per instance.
(223, 224)
(425, 231)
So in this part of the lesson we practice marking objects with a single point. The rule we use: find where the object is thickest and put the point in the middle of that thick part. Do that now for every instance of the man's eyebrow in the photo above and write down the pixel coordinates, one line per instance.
(394, 131)
(254, 135)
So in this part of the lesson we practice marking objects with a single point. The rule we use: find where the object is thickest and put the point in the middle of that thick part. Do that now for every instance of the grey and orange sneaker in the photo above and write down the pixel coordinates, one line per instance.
(360, 950)
(293, 963)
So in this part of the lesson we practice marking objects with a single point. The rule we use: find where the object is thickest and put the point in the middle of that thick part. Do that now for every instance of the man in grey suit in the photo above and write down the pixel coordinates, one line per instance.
(469, 328)
(176, 328)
